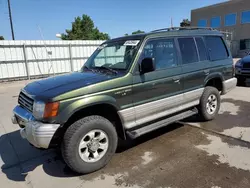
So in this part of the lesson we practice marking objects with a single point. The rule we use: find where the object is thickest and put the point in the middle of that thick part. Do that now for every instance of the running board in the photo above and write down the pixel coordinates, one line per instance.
(143, 130)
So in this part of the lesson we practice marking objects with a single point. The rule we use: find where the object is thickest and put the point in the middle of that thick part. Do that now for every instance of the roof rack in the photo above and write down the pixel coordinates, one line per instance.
(182, 28)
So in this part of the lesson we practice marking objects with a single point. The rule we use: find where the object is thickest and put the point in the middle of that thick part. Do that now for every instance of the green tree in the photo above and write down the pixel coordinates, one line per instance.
(185, 23)
(83, 28)
(1, 38)
(135, 32)
(138, 32)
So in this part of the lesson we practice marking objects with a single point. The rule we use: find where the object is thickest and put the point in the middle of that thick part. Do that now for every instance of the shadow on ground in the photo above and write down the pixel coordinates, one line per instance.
(246, 84)
(52, 162)
(233, 113)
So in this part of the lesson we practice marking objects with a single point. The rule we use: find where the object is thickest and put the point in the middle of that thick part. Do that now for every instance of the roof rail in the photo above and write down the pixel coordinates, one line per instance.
(182, 28)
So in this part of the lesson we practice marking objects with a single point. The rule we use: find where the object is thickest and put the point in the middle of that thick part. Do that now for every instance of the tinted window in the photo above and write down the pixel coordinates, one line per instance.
(215, 22)
(202, 23)
(245, 44)
(216, 47)
(245, 17)
(163, 52)
(230, 19)
(188, 50)
(201, 48)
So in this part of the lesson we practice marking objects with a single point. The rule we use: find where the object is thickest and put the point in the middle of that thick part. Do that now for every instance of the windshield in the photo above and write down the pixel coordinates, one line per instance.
(116, 56)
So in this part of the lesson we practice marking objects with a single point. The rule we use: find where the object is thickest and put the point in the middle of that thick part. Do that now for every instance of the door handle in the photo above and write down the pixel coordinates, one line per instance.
(176, 79)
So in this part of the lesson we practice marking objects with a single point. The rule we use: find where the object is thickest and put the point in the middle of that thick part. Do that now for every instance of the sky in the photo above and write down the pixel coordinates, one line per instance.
(115, 17)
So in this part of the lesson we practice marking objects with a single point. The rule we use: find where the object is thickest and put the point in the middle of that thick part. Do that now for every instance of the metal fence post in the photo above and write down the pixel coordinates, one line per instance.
(26, 61)
(70, 58)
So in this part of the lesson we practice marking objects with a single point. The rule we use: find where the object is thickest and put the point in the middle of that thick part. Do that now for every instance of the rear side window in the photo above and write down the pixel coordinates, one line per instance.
(188, 50)
(201, 48)
(216, 47)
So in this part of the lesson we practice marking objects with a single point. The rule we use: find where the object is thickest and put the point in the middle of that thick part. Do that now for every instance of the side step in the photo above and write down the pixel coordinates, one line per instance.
(143, 130)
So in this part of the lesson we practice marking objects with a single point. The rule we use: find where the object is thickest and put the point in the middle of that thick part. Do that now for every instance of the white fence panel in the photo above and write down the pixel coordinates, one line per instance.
(25, 59)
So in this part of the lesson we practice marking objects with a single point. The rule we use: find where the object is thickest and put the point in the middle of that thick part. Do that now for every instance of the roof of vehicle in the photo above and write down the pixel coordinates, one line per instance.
(173, 31)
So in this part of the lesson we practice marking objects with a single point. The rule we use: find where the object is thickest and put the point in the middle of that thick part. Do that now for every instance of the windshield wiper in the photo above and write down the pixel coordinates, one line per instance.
(85, 67)
(109, 69)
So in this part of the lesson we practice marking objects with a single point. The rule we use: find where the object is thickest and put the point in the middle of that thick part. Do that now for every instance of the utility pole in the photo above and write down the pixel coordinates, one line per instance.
(11, 24)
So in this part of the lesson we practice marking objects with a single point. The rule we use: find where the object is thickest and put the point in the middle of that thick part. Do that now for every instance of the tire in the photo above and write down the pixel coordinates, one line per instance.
(206, 113)
(81, 132)
(241, 81)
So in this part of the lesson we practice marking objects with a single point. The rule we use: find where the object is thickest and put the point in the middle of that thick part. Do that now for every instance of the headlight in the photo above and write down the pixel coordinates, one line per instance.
(42, 110)
(38, 109)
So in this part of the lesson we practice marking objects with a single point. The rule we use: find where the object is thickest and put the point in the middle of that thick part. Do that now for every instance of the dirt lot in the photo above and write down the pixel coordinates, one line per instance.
(188, 154)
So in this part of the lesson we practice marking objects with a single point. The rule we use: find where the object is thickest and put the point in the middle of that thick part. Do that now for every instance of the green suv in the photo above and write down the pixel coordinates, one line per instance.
(130, 86)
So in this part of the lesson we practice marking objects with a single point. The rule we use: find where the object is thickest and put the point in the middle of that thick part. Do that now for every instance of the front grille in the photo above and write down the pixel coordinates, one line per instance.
(25, 101)
(246, 65)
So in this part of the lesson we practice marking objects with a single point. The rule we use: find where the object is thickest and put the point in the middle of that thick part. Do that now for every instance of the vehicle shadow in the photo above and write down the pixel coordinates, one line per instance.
(247, 83)
(51, 161)
(233, 113)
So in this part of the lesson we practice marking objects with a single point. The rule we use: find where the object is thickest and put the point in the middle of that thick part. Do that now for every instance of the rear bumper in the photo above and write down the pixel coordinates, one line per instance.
(228, 85)
(37, 133)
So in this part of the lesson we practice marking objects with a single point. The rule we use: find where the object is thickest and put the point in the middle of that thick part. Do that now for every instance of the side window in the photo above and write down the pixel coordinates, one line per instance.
(230, 19)
(201, 48)
(188, 50)
(215, 22)
(245, 17)
(216, 47)
(163, 52)
(202, 23)
(148, 50)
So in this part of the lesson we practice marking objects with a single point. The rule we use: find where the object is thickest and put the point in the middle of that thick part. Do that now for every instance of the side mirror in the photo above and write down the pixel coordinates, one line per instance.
(147, 65)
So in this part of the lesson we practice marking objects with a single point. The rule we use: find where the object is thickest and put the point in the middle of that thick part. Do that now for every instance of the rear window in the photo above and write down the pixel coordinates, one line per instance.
(216, 47)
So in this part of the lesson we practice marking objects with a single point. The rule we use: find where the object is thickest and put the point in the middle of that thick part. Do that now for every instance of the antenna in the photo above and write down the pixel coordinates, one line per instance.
(171, 22)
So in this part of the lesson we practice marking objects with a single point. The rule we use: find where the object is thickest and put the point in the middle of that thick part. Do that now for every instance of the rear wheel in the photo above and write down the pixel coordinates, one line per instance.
(89, 144)
(209, 103)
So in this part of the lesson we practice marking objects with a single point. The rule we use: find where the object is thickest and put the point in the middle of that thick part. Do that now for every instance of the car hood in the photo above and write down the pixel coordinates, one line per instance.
(246, 59)
(54, 86)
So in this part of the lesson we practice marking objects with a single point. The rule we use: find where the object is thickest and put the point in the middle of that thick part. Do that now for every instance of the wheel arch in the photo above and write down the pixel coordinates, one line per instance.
(104, 106)
(215, 80)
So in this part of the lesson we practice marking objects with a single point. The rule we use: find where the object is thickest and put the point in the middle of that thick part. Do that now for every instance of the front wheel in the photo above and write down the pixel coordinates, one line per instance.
(209, 103)
(89, 144)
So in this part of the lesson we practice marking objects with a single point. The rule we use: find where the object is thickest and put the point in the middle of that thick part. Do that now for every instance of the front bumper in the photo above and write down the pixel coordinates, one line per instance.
(37, 133)
(228, 85)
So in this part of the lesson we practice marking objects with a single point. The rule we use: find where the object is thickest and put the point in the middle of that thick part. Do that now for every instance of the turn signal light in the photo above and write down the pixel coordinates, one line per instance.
(51, 110)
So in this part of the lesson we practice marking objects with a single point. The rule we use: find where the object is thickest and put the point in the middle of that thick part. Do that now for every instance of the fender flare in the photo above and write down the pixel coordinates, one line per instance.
(213, 76)
(85, 103)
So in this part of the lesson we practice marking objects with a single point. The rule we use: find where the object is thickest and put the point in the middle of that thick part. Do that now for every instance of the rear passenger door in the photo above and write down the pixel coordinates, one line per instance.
(195, 62)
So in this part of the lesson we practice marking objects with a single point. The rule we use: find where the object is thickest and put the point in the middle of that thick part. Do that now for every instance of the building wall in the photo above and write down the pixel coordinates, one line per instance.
(239, 31)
